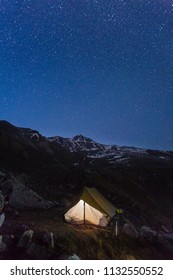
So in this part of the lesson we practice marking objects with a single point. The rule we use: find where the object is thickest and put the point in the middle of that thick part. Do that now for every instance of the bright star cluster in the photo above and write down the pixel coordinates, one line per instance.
(99, 68)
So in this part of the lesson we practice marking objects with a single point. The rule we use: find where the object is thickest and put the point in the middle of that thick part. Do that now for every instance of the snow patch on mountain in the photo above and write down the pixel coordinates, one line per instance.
(113, 154)
(77, 143)
(35, 135)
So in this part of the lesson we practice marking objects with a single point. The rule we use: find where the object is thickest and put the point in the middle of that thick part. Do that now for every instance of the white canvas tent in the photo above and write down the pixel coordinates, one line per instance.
(92, 208)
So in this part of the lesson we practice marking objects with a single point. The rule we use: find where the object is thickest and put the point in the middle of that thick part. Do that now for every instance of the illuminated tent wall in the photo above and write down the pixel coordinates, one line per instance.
(92, 208)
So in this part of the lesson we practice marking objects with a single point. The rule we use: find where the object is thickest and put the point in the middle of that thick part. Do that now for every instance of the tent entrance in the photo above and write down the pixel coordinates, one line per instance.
(83, 213)
(92, 208)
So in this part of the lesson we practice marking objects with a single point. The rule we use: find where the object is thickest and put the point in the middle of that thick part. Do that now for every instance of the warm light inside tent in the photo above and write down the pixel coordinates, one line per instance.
(82, 212)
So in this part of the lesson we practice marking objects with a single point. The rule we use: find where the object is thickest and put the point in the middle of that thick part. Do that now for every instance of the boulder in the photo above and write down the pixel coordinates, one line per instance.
(130, 231)
(25, 239)
(23, 197)
(3, 246)
(73, 257)
(130, 257)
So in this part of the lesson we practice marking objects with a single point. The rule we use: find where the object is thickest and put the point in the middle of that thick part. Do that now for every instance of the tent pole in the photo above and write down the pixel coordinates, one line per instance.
(84, 212)
(116, 228)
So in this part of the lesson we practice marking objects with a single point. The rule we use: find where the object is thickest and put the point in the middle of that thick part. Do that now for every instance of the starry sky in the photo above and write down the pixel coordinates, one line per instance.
(99, 68)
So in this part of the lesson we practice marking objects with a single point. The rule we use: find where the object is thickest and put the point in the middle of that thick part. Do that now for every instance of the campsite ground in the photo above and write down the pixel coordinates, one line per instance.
(86, 242)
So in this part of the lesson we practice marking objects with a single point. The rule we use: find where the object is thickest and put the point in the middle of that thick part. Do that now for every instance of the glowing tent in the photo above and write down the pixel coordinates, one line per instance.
(92, 208)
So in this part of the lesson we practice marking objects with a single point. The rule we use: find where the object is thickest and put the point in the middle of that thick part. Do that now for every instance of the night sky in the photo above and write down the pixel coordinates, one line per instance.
(101, 68)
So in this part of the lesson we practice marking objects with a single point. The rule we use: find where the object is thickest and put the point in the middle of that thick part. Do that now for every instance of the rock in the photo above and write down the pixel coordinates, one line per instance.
(147, 233)
(48, 239)
(130, 231)
(2, 219)
(25, 239)
(130, 257)
(23, 197)
(3, 246)
(73, 257)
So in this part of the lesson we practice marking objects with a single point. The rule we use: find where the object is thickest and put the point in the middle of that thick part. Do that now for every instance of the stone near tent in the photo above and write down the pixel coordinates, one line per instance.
(73, 257)
(130, 257)
(147, 233)
(25, 239)
(130, 231)
(2, 219)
